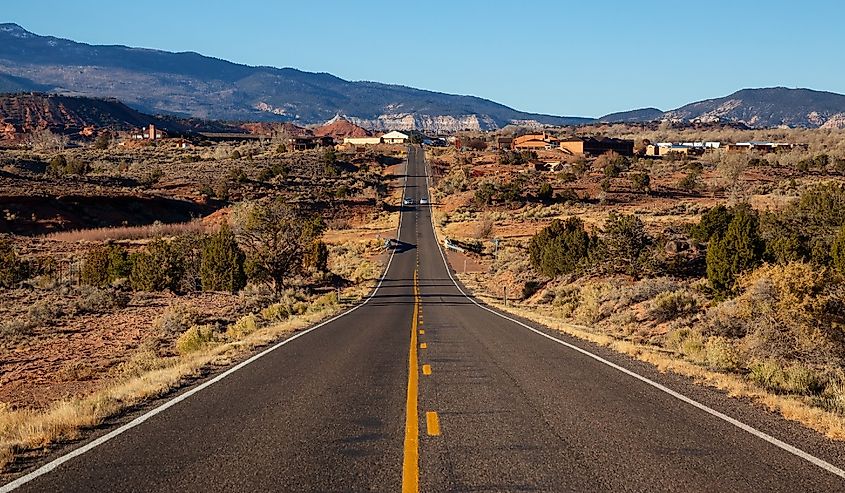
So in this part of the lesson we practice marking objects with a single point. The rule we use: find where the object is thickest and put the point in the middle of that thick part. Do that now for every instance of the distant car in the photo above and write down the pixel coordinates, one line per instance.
(423, 201)
(408, 202)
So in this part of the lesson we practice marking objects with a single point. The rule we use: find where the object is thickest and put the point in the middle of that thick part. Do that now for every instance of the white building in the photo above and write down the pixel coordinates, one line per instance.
(362, 141)
(395, 137)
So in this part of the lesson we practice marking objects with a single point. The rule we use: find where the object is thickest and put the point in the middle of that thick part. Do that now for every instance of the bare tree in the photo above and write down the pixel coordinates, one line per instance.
(731, 167)
(45, 140)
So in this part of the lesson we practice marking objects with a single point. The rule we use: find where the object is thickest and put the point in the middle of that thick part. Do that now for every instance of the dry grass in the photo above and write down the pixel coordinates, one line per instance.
(790, 407)
(26, 430)
(154, 230)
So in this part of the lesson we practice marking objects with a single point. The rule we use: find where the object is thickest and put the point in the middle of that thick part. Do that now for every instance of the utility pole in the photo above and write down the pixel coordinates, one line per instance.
(505, 289)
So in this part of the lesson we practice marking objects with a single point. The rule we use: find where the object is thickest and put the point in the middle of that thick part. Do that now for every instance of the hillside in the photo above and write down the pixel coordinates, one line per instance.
(633, 116)
(190, 84)
(20, 113)
(769, 107)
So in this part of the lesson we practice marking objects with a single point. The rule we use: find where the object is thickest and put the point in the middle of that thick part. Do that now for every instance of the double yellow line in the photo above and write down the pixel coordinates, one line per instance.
(411, 462)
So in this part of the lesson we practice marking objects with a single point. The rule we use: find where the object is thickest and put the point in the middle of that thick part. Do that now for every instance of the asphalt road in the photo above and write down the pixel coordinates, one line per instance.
(497, 406)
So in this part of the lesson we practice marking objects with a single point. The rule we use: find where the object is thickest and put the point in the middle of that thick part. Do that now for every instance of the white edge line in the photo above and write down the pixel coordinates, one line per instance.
(50, 466)
(724, 417)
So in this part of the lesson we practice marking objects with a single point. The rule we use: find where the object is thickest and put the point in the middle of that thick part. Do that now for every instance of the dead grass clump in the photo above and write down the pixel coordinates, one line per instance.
(244, 326)
(485, 227)
(15, 328)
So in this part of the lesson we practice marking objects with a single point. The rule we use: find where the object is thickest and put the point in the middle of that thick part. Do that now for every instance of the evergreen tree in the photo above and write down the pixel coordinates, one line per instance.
(739, 250)
(560, 247)
(222, 264)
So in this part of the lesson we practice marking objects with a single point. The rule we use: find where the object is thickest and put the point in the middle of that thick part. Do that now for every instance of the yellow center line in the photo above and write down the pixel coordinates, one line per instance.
(432, 423)
(423, 345)
(426, 369)
(422, 332)
(411, 459)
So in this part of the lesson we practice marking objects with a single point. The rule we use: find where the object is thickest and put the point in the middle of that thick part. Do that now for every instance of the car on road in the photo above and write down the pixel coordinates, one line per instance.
(408, 202)
(423, 201)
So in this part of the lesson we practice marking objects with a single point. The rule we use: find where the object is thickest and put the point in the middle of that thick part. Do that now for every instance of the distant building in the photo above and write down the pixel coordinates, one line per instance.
(362, 141)
(763, 147)
(395, 137)
(504, 143)
(591, 146)
(149, 133)
(534, 142)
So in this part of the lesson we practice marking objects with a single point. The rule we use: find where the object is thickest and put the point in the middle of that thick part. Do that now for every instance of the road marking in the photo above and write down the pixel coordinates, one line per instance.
(52, 465)
(422, 332)
(426, 369)
(423, 345)
(411, 456)
(823, 464)
(432, 424)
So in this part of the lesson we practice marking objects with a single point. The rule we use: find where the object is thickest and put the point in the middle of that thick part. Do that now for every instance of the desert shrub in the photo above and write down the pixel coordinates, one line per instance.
(151, 177)
(589, 308)
(624, 244)
(793, 313)
(98, 300)
(726, 319)
(530, 288)
(559, 248)
(60, 166)
(222, 264)
(670, 305)
(43, 313)
(196, 338)
(103, 265)
(641, 182)
(739, 250)
(721, 354)
(12, 268)
(837, 251)
(545, 192)
(317, 257)
(457, 179)
(237, 174)
(794, 379)
(324, 302)
(691, 181)
(243, 327)
(485, 193)
(713, 223)
(235, 154)
(174, 320)
(486, 227)
(159, 267)
(15, 328)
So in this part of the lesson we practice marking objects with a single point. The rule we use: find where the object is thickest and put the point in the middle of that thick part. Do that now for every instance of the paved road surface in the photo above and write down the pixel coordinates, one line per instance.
(497, 407)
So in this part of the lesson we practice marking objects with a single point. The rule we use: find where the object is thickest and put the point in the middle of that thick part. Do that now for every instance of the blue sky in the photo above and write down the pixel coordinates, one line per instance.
(563, 58)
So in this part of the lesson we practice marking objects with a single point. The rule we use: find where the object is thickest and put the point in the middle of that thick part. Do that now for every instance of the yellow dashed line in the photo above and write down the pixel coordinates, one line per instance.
(426, 369)
(432, 423)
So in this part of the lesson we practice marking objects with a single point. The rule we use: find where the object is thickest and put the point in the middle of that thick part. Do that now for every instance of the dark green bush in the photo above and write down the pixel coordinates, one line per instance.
(559, 248)
(739, 250)
(158, 268)
(222, 265)
(103, 265)
(12, 269)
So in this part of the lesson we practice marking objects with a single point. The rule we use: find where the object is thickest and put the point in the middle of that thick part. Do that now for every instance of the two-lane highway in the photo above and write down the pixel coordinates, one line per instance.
(422, 389)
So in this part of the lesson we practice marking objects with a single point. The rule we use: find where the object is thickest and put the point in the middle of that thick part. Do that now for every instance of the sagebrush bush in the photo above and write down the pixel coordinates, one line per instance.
(174, 320)
(670, 305)
(722, 355)
(98, 300)
(44, 312)
(244, 326)
(12, 268)
(196, 338)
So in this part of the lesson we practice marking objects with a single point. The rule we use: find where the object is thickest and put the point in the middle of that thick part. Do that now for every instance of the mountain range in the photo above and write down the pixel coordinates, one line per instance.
(192, 85)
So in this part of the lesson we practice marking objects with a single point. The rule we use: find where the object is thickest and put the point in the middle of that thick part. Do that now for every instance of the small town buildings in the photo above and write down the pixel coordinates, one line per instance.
(534, 142)
(395, 137)
(592, 146)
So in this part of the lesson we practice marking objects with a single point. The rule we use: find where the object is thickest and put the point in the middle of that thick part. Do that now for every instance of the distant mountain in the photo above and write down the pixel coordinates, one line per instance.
(769, 107)
(633, 116)
(190, 84)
